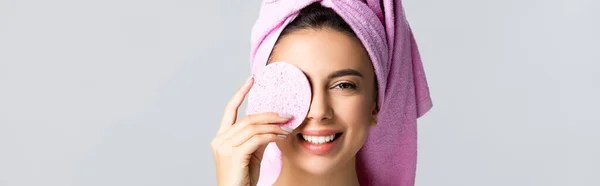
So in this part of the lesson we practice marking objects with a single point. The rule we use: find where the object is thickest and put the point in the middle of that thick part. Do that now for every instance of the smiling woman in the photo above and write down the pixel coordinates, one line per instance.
(345, 77)
(322, 151)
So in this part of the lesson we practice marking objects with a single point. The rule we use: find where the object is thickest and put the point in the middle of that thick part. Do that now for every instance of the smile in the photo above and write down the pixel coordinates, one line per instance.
(320, 142)
(320, 139)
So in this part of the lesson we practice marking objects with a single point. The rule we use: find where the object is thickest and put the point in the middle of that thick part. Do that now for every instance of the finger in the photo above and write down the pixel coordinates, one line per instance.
(234, 103)
(267, 118)
(256, 142)
(253, 130)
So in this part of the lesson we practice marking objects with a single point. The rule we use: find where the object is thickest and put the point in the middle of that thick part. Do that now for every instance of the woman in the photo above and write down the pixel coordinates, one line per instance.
(344, 107)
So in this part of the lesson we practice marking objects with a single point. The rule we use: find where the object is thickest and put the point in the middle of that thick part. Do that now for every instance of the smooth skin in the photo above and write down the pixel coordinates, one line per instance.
(343, 99)
(343, 85)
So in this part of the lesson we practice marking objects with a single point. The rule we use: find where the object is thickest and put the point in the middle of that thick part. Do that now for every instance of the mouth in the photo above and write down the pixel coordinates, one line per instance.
(320, 144)
(318, 140)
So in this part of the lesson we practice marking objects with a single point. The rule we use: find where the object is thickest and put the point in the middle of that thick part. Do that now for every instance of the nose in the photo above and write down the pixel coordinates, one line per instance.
(320, 107)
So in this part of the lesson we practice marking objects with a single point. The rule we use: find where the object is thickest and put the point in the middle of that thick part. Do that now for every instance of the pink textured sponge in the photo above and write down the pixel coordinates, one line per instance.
(283, 88)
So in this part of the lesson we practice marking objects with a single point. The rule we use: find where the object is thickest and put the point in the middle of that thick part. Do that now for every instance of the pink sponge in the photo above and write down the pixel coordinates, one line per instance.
(283, 88)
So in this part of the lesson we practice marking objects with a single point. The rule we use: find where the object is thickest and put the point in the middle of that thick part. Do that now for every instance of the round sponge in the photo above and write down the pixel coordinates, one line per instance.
(282, 88)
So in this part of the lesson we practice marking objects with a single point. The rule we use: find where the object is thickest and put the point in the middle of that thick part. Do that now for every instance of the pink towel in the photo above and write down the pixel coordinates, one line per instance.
(390, 154)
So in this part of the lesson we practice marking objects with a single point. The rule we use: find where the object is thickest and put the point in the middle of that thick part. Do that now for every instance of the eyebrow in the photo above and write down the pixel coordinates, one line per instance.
(345, 72)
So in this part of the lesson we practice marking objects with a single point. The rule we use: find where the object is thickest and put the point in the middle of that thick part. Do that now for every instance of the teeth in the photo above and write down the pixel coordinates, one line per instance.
(318, 139)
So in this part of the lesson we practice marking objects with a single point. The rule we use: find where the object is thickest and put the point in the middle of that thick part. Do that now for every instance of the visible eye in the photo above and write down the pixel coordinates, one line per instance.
(345, 85)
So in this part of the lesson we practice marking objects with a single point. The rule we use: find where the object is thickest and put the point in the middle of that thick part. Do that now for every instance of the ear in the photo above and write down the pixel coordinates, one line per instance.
(374, 113)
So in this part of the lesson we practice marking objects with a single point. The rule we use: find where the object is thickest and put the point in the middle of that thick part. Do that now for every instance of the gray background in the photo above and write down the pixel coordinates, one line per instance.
(130, 93)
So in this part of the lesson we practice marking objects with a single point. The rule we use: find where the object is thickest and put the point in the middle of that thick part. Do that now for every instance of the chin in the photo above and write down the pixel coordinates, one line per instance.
(319, 165)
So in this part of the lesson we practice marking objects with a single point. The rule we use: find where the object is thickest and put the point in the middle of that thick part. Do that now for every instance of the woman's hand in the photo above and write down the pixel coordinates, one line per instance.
(238, 146)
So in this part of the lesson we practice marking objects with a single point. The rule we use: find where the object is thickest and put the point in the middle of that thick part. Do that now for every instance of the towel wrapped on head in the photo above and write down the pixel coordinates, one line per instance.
(389, 155)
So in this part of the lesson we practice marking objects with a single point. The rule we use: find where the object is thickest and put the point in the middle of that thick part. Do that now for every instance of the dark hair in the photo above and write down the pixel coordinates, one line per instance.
(316, 16)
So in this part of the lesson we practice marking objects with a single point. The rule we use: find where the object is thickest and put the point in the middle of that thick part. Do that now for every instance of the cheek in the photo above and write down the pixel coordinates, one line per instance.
(354, 114)
(354, 110)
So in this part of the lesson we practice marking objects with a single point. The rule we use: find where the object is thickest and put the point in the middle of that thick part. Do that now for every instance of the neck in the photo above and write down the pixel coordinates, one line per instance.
(342, 175)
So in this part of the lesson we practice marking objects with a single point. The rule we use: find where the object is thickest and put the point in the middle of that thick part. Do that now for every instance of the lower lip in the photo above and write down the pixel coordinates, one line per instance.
(319, 149)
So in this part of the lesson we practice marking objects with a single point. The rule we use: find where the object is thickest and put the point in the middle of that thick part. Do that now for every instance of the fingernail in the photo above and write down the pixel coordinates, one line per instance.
(285, 115)
(287, 129)
(282, 136)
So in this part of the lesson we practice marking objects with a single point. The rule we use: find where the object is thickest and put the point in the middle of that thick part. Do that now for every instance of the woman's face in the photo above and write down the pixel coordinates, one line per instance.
(343, 99)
